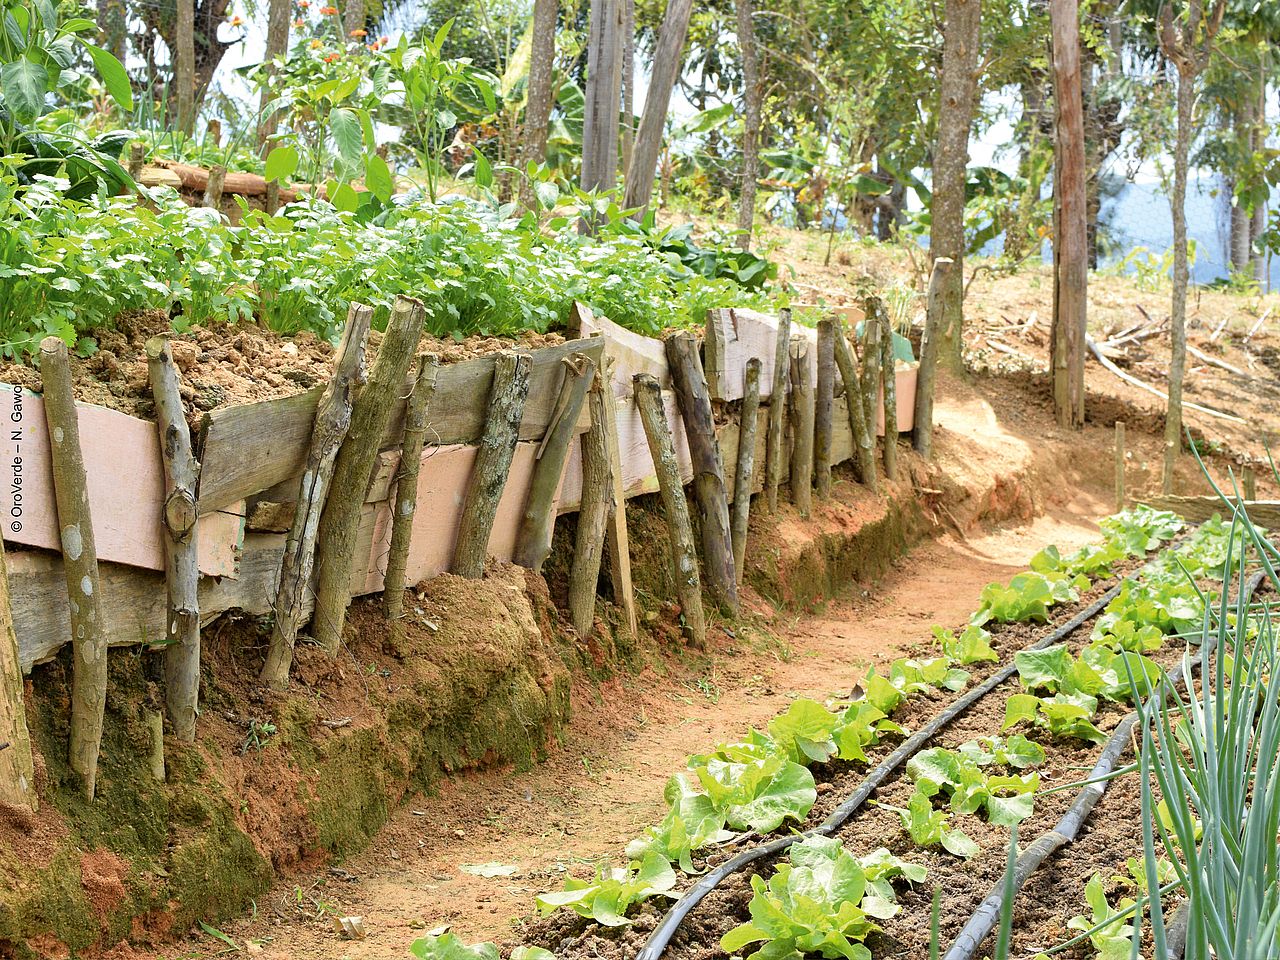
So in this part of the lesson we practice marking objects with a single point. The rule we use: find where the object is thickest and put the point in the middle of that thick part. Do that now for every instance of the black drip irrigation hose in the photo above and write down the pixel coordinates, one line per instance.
(658, 941)
(987, 915)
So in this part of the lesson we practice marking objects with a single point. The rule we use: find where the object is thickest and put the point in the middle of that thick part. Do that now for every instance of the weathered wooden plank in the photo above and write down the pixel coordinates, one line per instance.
(735, 336)
(630, 352)
(250, 447)
(126, 487)
(1265, 513)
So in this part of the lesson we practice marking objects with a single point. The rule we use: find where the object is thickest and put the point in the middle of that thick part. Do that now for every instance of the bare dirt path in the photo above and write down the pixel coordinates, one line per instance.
(604, 783)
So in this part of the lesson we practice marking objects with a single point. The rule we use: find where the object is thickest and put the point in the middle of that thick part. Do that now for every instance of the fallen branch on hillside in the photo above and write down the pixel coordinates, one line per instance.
(1214, 361)
(1128, 378)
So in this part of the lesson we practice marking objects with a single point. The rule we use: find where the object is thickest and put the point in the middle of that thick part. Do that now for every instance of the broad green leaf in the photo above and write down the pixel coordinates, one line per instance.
(114, 77)
(344, 126)
(281, 163)
(377, 177)
(24, 85)
(448, 947)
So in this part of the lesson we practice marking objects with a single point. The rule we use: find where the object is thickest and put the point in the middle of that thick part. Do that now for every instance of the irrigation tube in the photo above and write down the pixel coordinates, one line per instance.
(662, 934)
(987, 915)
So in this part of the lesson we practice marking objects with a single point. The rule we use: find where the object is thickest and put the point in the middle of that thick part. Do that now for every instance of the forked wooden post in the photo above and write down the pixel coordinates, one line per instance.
(801, 427)
(333, 419)
(889, 381)
(137, 156)
(744, 474)
(684, 558)
(406, 499)
(1249, 482)
(619, 540)
(353, 468)
(708, 468)
(181, 563)
(79, 564)
(861, 430)
(777, 409)
(213, 189)
(537, 524)
(1120, 455)
(593, 513)
(823, 407)
(17, 771)
(493, 462)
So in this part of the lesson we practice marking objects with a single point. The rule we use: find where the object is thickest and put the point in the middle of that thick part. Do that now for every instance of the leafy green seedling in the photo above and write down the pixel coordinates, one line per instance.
(607, 898)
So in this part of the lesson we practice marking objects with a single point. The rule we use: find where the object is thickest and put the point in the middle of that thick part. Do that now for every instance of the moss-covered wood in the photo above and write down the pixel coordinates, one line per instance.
(17, 773)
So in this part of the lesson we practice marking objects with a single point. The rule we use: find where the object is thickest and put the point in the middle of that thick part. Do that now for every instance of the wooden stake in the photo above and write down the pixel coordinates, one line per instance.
(801, 427)
(889, 381)
(213, 189)
(708, 468)
(744, 475)
(619, 540)
(593, 514)
(1249, 482)
(533, 540)
(406, 499)
(333, 419)
(153, 720)
(871, 365)
(79, 563)
(137, 156)
(823, 404)
(17, 771)
(493, 462)
(353, 468)
(182, 572)
(930, 350)
(1120, 454)
(271, 202)
(862, 437)
(777, 409)
(684, 558)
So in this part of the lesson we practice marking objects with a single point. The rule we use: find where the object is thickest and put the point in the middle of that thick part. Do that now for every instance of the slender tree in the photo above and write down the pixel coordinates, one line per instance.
(277, 47)
(1071, 217)
(537, 111)
(184, 65)
(752, 96)
(1186, 39)
(604, 89)
(958, 96)
(668, 58)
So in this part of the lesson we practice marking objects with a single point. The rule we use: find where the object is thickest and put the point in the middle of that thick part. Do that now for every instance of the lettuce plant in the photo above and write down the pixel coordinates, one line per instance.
(972, 646)
(757, 793)
(1113, 941)
(1028, 596)
(1141, 529)
(1092, 560)
(607, 898)
(1006, 800)
(447, 946)
(928, 826)
(823, 902)
(1063, 715)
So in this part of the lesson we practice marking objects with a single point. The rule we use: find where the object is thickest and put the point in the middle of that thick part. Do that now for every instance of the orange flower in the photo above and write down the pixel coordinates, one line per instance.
(359, 33)
(299, 24)
(303, 4)
(332, 57)
(329, 11)
(237, 20)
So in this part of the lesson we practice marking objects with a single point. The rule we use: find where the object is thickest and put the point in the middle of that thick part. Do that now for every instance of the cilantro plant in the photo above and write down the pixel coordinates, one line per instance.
(823, 902)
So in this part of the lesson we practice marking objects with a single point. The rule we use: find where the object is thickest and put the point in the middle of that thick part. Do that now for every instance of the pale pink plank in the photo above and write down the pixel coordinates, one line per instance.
(126, 487)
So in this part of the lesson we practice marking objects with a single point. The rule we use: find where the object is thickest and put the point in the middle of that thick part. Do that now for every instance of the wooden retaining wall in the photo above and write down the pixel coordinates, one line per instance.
(252, 456)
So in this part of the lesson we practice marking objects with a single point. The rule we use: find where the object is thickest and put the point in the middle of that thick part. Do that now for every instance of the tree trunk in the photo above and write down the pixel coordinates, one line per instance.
(1070, 255)
(708, 469)
(79, 564)
(353, 469)
(604, 87)
(184, 65)
(17, 771)
(1259, 219)
(684, 557)
(182, 572)
(668, 58)
(1181, 277)
(958, 93)
(751, 95)
(493, 462)
(333, 419)
(537, 111)
(353, 17)
(277, 47)
(628, 83)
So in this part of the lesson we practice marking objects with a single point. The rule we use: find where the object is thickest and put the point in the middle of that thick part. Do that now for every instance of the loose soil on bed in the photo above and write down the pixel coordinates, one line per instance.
(226, 364)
